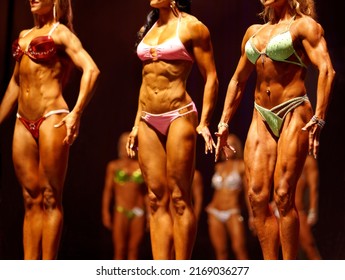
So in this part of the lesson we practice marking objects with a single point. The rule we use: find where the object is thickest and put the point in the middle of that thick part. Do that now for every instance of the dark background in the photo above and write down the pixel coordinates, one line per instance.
(107, 30)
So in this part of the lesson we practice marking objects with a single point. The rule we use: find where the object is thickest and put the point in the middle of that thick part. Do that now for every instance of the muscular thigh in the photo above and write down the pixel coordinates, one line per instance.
(53, 153)
(152, 158)
(260, 155)
(292, 148)
(181, 144)
(25, 157)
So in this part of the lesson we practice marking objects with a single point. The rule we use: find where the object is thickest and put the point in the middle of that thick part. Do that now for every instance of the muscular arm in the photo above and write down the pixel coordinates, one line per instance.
(316, 49)
(234, 92)
(89, 78)
(315, 46)
(203, 53)
(132, 138)
(10, 98)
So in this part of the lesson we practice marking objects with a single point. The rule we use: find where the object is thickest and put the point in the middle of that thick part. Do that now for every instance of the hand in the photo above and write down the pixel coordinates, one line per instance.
(72, 123)
(222, 143)
(209, 143)
(131, 145)
(314, 127)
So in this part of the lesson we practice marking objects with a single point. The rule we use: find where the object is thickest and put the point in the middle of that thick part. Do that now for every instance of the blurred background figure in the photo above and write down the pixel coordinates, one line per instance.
(225, 220)
(197, 193)
(123, 203)
(307, 197)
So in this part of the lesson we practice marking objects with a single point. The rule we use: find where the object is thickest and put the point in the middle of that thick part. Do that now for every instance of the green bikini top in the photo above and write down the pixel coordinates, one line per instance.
(279, 48)
(122, 176)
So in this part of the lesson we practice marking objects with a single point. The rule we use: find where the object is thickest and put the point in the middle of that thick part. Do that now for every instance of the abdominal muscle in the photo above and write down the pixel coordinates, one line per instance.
(278, 82)
(40, 89)
(164, 86)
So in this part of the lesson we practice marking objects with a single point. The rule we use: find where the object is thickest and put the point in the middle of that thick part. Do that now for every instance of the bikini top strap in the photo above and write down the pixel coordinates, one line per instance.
(27, 32)
(261, 27)
(291, 21)
(178, 24)
(55, 25)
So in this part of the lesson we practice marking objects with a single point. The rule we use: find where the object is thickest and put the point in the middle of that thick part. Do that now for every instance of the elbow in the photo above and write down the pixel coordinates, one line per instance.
(329, 72)
(95, 72)
(332, 73)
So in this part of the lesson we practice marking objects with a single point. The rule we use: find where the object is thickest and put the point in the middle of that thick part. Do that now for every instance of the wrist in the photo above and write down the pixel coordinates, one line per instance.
(223, 124)
(320, 122)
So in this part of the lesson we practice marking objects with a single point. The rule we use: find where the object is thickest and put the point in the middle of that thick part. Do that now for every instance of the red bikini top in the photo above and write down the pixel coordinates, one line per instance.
(40, 49)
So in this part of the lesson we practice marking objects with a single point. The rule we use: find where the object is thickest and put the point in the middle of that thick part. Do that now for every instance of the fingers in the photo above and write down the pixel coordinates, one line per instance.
(209, 147)
(130, 147)
(209, 143)
(69, 139)
(313, 138)
(231, 148)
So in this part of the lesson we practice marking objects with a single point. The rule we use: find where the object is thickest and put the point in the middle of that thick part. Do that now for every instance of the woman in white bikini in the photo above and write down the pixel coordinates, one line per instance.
(45, 127)
(225, 220)
(284, 128)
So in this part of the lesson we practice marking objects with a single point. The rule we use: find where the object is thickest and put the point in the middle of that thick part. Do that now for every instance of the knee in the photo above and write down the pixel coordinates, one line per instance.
(157, 198)
(32, 195)
(284, 199)
(258, 198)
(50, 198)
(178, 202)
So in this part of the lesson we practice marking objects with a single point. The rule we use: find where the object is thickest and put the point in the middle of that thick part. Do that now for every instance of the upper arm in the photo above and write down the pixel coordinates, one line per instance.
(314, 43)
(73, 48)
(245, 67)
(202, 48)
(10, 98)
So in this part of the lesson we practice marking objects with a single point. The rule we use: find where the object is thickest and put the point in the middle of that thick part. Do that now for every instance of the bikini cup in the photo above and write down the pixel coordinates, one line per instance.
(40, 49)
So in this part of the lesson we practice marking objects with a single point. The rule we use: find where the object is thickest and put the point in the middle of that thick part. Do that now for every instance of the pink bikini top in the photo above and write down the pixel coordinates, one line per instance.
(172, 49)
(40, 49)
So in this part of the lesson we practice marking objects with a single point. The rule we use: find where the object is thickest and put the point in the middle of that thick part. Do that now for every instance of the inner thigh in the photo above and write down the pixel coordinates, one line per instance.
(152, 160)
(292, 152)
(260, 155)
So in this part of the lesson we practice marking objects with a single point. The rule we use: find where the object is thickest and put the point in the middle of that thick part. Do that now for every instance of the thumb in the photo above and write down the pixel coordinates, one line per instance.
(61, 123)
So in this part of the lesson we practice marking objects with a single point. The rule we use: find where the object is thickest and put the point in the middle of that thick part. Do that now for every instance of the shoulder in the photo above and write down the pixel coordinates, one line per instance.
(23, 32)
(307, 28)
(195, 27)
(64, 35)
(114, 164)
(252, 29)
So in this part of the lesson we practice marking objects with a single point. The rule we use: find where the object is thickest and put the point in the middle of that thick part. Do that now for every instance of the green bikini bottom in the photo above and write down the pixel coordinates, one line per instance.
(130, 213)
(273, 116)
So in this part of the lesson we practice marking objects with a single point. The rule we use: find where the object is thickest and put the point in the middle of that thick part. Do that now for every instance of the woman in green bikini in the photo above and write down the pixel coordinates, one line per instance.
(284, 127)
(123, 205)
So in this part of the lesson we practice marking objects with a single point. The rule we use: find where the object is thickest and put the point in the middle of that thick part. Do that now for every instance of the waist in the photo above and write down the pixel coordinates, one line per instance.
(181, 110)
(270, 100)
